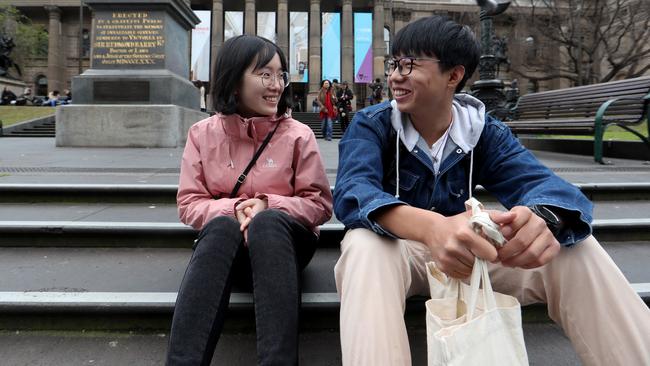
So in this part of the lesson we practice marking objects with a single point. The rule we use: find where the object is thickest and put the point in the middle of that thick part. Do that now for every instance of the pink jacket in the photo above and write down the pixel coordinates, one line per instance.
(289, 172)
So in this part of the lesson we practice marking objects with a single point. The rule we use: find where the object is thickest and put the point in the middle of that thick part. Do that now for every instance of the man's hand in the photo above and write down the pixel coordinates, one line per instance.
(530, 243)
(245, 212)
(454, 245)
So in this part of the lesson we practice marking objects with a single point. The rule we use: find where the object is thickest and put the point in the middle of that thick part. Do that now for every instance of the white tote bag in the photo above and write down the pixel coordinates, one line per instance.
(469, 326)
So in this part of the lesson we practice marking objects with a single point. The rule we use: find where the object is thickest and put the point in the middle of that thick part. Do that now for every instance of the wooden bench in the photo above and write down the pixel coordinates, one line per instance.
(585, 110)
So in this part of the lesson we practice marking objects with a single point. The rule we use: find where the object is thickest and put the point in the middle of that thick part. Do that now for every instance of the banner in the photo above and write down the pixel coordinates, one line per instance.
(200, 57)
(266, 25)
(331, 46)
(233, 24)
(362, 47)
(298, 46)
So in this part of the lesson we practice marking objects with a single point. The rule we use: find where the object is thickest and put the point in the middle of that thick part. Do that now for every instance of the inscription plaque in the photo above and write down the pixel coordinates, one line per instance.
(120, 91)
(132, 39)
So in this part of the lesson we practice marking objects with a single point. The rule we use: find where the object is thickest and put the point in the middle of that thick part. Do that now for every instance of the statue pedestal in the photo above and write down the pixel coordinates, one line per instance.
(137, 92)
(15, 86)
(124, 125)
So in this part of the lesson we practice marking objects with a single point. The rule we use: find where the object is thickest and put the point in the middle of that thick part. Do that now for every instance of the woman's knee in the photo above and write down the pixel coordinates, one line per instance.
(221, 230)
(270, 219)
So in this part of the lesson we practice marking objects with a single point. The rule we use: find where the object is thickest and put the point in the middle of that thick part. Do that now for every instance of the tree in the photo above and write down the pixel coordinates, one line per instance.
(30, 40)
(588, 41)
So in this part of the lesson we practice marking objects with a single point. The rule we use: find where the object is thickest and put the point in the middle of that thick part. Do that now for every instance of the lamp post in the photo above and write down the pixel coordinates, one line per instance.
(488, 88)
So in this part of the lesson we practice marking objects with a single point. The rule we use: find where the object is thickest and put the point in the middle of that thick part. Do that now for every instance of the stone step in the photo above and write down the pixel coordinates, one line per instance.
(166, 193)
(168, 212)
(145, 280)
(177, 235)
(546, 345)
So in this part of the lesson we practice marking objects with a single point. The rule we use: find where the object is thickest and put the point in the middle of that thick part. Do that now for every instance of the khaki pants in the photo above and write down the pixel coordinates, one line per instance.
(587, 295)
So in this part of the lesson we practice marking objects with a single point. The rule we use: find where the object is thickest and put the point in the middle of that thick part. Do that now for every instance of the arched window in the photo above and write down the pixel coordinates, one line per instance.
(85, 43)
(41, 85)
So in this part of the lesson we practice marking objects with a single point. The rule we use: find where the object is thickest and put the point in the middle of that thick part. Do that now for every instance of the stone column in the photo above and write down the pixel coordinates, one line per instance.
(249, 18)
(55, 52)
(378, 45)
(347, 43)
(283, 26)
(314, 47)
(401, 18)
(216, 40)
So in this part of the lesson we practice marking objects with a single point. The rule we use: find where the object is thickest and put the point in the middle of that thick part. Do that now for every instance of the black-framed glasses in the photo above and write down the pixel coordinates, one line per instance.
(404, 65)
(268, 79)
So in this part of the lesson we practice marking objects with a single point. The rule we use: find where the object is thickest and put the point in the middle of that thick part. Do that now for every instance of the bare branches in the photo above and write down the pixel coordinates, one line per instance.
(589, 41)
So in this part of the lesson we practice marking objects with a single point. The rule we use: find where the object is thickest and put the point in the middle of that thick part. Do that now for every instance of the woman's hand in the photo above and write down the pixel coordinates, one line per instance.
(246, 210)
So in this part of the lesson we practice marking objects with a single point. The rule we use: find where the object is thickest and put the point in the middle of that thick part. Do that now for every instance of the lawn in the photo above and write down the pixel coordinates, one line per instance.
(611, 133)
(11, 114)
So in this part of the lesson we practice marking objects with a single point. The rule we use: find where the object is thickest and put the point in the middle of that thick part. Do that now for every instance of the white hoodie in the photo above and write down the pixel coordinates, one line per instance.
(468, 120)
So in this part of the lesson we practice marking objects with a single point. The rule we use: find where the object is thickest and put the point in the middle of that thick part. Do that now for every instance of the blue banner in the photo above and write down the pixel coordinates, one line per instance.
(362, 47)
(331, 46)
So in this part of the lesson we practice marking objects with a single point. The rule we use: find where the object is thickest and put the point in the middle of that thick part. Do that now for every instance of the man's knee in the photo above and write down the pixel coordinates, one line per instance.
(365, 250)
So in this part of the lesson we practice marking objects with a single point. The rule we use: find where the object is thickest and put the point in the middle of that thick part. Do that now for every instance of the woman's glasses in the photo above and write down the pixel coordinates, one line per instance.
(269, 79)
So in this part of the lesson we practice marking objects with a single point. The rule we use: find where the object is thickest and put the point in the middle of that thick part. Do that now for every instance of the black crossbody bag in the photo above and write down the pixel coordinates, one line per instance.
(242, 176)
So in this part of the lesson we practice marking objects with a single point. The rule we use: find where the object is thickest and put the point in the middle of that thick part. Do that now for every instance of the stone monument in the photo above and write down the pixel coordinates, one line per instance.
(137, 91)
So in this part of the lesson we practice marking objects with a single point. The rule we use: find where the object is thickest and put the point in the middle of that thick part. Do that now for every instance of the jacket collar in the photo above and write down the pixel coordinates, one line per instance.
(249, 128)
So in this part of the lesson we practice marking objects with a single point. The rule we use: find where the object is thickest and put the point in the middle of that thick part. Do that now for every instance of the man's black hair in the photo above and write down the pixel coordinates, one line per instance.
(235, 56)
(442, 38)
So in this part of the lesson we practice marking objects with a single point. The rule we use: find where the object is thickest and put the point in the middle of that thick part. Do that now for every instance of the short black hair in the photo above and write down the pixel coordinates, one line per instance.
(441, 37)
(235, 56)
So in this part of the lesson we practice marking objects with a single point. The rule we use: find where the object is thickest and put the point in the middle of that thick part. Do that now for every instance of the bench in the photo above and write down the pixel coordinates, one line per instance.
(585, 110)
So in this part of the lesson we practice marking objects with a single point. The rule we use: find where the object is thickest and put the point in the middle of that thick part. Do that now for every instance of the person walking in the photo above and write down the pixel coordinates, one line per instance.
(327, 103)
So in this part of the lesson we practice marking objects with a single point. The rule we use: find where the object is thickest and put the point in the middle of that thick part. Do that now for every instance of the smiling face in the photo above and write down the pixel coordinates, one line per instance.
(426, 88)
(255, 99)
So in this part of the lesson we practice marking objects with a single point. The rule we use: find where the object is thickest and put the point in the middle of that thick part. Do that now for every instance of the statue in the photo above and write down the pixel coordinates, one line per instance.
(500, 45)
(6, 63)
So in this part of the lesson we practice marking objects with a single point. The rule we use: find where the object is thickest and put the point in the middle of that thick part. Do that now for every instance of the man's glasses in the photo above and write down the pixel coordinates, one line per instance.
(269, 79)
(404, 65)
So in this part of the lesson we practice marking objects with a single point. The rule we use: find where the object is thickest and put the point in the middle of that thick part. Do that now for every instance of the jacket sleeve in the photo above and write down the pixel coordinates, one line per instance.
(517, 178)
(311, 203)
(359, 190)
(196, 206)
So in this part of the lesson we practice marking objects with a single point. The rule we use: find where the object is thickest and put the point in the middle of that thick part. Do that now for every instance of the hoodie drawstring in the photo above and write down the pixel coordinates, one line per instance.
(397, 163)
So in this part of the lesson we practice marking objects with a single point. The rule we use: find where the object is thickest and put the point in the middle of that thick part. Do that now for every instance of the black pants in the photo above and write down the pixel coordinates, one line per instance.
(279, 247)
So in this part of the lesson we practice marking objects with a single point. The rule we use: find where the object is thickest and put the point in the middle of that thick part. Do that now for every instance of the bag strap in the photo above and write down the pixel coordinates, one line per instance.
(242, 176)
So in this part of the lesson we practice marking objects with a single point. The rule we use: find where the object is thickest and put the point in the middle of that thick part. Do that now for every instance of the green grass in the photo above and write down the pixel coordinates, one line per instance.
(611, 133)
(11, 114)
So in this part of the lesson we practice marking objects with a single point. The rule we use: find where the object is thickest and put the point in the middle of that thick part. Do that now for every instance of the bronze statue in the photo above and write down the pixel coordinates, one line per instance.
(6, 63)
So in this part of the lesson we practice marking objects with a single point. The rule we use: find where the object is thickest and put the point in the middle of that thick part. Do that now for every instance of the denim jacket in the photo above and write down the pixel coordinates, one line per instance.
(371, 165)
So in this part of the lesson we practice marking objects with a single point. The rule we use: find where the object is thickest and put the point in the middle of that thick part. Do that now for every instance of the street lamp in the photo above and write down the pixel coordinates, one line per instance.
(488, 88)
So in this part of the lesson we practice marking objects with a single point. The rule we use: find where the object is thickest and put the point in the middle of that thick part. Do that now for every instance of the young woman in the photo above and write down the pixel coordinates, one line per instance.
(327, 103)
(261, 236)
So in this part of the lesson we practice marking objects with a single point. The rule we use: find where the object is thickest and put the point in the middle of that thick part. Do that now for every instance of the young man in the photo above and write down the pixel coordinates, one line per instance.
(402, 182)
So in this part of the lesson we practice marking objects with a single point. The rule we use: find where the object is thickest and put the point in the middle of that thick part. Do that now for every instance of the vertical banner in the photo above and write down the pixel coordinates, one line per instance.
(298, 46)
(266, 25)
(362, 47)
(200, 58)
(331, 46)
(233, 24)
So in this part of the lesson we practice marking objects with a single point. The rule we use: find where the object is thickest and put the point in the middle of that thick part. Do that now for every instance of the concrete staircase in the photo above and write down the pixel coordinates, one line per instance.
(313, 121)
(109, 258)
(40, 127)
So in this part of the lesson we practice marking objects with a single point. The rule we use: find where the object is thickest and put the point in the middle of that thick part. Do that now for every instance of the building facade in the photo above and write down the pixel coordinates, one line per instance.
(323, 39)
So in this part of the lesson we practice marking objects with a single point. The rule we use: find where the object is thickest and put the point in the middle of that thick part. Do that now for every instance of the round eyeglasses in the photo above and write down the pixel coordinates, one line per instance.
(404, 65)
(269, 79)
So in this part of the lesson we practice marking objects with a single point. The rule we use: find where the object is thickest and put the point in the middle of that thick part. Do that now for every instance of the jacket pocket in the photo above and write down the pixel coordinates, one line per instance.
(407, 180)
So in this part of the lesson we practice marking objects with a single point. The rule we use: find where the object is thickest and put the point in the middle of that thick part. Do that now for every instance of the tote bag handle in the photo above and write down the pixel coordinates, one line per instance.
(480, 274)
